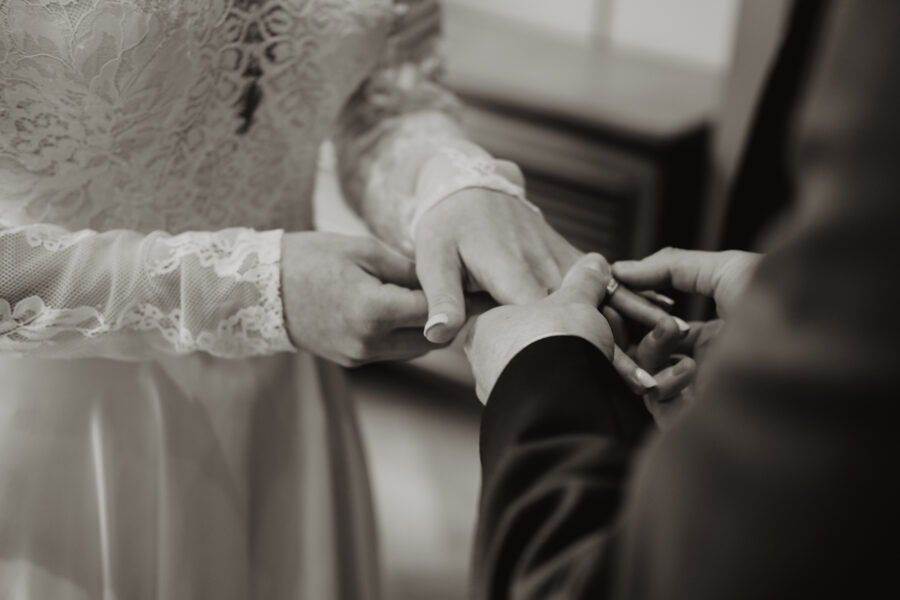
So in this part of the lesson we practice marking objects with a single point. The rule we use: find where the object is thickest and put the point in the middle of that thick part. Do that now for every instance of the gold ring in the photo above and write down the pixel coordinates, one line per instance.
(611, 287)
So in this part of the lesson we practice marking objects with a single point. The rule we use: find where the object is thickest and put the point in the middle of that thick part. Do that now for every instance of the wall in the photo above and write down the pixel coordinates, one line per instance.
(695, 31)
(571, 18)
(699, 32)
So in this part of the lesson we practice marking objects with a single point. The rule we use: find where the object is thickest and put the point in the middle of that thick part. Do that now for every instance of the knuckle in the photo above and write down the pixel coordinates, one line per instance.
(668, 327)
(358, 351)
(352, 363)
(597, 262)
(367, 247)
(516, 174)
(510, 171)
(369, 324)
(360, 347)
(686, 368)
(666, 252)
(346, 361)
(364, 319)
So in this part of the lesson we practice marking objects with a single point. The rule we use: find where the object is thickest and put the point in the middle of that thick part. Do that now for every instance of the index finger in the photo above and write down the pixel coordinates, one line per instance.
(396, 307)
(690, 271)
(586, 281)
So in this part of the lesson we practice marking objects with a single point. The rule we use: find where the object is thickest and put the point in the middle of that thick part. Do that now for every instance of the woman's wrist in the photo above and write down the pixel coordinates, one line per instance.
(454, 169)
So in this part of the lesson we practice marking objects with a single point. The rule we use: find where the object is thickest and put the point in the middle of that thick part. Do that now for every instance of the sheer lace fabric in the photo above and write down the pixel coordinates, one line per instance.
(468, 172)
(123, 295)
(122, 119)
(150, 153)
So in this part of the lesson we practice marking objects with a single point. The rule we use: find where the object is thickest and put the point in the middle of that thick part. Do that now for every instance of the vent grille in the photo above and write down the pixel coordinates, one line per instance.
(600, 197)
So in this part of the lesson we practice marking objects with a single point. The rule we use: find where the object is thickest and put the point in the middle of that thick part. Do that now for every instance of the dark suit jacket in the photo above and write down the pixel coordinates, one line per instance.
(781, 481)
(762, 189)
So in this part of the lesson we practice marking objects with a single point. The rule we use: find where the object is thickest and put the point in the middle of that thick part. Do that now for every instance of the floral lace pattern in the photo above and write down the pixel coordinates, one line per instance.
(243, 263)
(471, 172)
(119, 118)
(99, 130)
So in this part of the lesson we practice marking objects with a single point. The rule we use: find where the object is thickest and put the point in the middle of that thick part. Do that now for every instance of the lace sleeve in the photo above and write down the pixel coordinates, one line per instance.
(398, 140)
(120, 294)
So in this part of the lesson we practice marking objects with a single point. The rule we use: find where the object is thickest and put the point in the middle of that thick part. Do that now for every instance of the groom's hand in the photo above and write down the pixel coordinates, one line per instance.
(499, 334)
(674, 359)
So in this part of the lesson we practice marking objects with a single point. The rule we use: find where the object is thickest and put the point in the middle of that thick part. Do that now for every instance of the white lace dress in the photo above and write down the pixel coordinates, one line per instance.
(159, 436)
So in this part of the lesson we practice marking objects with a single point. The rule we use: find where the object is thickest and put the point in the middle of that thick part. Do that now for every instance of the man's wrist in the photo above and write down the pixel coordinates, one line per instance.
(486, 380)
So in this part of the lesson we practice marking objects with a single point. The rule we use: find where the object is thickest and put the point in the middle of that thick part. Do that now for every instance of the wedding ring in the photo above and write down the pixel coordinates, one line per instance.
(611, 287)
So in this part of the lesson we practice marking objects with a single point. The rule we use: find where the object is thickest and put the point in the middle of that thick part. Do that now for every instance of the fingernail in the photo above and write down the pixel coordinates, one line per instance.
(683, 326)
(644, 378)
(438, 319)
(660, 299)
(663, 299)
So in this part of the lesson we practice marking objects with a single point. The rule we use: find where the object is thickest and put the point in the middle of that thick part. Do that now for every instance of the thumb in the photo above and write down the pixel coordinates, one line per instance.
(510, 171)
(386, 264)
(441, 276)
(586, 281)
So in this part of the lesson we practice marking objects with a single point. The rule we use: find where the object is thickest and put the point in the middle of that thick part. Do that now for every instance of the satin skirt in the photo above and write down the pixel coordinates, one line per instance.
(185, 478)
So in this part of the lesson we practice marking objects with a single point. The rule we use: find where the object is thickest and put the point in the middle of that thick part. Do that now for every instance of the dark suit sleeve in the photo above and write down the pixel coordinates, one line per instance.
(780, 482)
(557, 435)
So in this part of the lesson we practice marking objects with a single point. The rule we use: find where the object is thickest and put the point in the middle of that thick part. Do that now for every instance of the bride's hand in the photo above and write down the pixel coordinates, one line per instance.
(349, 299)
(488, 241)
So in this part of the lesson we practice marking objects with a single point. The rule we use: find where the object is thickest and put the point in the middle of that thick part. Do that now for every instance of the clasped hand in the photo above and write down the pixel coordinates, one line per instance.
(479, 240)
(351, 299)
(667, 351)
(354, 300)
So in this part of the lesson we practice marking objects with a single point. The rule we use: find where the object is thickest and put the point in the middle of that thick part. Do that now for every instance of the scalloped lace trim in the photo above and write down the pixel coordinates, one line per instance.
(471, 172)
(253, 329)
(253, 257)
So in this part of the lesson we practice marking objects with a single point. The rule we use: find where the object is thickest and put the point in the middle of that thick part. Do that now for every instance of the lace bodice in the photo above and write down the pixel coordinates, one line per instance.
(152, 150)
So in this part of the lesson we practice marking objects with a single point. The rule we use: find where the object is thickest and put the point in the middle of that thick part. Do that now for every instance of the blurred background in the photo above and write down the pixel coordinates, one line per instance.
(613, 110)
